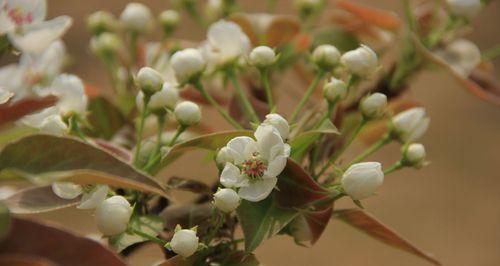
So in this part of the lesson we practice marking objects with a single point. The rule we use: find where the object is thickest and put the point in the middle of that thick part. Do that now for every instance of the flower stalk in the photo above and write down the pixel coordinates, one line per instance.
(307, 94)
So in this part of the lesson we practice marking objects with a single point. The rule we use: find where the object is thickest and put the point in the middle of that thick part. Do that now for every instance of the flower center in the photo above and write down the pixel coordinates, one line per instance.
(254, 168)
(18, 16)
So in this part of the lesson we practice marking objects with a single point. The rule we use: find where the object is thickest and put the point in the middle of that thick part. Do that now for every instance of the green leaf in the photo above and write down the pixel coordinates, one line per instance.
(45, 159)
(36, 200)
(14, 133)
(5, 220)
(105, 119)
(342, 39)
(149, 224)
(261, 220)
(371, 226)
(301, 142)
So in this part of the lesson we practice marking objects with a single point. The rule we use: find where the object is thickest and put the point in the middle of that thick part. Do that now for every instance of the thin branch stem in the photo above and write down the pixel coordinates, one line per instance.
(396, 166)
(307, 94)
(149, 237)
(372, 149)
(247, 106)
(140, 129)
(264, 78)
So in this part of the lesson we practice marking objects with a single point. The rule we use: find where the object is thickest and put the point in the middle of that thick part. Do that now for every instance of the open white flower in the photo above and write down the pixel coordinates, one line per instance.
(24, 24)
(462, 55)
(256, 163)
(70, 91)
(90, 199)
(278, 122)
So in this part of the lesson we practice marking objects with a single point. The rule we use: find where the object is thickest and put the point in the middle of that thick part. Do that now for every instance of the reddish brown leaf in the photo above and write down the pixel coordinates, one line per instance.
(32, 239)
(16, 110)
(116, 150)
(24, 260)
(317, 221)
(246, 26)
(191, 185)
(37, 199)
(373, 16)
(371, 226)
(282, 30)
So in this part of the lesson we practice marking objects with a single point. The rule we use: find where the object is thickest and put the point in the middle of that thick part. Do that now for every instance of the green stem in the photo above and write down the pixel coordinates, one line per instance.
(217, 222)
(149, 237)
(178, 132)
(159, 134)
(75, 129)
(264, 78)
(491, 53)
(216, 105)
(396, 166)
(326, 115)
(134, 36)
(140, 129)
(247, 106)
(306, 96)
(375, 147)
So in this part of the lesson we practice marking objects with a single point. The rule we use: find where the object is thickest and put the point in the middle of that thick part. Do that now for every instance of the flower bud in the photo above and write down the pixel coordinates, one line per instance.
(149, 80)
(167, 97)
(187, 113)
(187, 64)
(279, 123)
(262, 56)
(362, 61)
(136, 17)
(361, 180)
(307, 8)
(326, 56)
(66, 190)
(411, 124)
(101, 21)
(226, 200)
(184, 242)
(414, 155)
(224, 156)
(334, 90)
(373, 106)
(168, 20)
(464, 8)
(54, 125)
(105, 44)
(112, 215)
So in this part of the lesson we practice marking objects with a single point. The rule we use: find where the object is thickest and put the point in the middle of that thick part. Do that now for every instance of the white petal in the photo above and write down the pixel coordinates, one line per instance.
(6, 24)
(269, 142)
(36, 10)
(92, 199)
(276, 166)
(420, 129)
(237, 147)
(35, 120)
(5, 95)
(258, 190)
(37, 37)
(70, 91)
(232, 177)
(66, 190)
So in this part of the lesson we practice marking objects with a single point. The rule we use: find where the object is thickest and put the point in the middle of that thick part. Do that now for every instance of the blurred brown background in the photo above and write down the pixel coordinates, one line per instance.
(450, 208)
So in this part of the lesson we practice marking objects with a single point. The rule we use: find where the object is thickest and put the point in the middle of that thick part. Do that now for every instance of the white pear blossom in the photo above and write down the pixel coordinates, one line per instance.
(184, 242)
(334, 90)
(113, 215)
(465, 8)
(24, 24)
(167, 97)
(278, 122)
(461, 55)
(226, 200)
(326, 56)
(361, 180)
(149, 80)
(187, 113)
(71, 94)
(362, 61)
(262, 56)
(411, 124)
(137, 17)
(187, 64)
(256, 163)
(90, 199)
(374, 105)
(224, 156)
(415, 154)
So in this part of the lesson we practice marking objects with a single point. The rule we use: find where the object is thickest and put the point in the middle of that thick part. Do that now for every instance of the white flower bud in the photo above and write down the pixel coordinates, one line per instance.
(167, 97)
(374, 105)
(101, 21)
(187, 113)
(54, 125)
(411, 124)
(414, 154)
(187, 64)
(361, 180)
(362, 61)
(184, 242)
(169, 18)
(149, 80)
(112, 215)
(326, 56)
(224, 156)
(226, 200)
(105, 43)
(262, 56)
(464, 8)
(279, 123)
(136, 17)
(334, 90)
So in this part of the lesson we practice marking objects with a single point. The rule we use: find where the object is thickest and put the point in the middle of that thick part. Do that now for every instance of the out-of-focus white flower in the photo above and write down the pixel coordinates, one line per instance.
(106, 44)
(226, 43)
(411, 124)
(54, 125)
(362, 61)
(90, 199)
(113, 215)
(137, 17)
(334, 90)
(262, 56)
(167, 97)
(256, 164)
(149, 80)
(226, 200)
(278, 122)
(25, 25)
(414, 155)
(224, 156)
(462, 55)
(101, 21)
(465, 8)
(326, 56)
(187, 113)
(187, 64)
(361, 180)
(374, 105)
(184, 242)
(169, 18)
(71, 93)
(5, 95)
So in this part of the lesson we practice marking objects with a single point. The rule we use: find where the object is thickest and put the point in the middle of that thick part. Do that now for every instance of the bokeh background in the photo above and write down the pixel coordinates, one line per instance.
(450, 208)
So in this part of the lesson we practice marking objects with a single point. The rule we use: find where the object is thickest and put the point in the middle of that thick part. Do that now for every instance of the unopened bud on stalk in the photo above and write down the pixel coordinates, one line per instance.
(184, 242)
(112, 215)
(168, 20)
(373, 106)
(136, 17)
(187, 113)
(326, 56)
(149, 80)
(465, 8)
(101, 21)
(362, 61)
(226, 200)
(167, 97)
(187, 64)
(361, 180)
(105, 44)
(414, 155)
(262, 57)
(334, 90)
(411, 124)
(279, 123)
